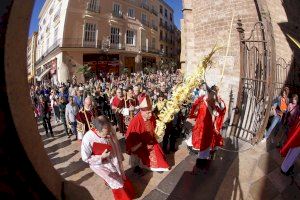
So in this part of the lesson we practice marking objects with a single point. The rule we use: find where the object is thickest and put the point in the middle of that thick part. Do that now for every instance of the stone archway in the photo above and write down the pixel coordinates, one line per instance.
(26, 169)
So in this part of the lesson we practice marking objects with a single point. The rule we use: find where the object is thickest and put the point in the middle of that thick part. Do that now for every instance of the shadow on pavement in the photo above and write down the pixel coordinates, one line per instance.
(63, 159)
(84, 178)
(55, 147)
(181, 183)
(73, 168)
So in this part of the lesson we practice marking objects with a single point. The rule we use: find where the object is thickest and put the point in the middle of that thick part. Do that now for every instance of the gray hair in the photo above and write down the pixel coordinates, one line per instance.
(98, 124)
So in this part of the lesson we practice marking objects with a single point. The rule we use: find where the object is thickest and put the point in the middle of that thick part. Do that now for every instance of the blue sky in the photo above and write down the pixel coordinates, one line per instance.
(175, 4)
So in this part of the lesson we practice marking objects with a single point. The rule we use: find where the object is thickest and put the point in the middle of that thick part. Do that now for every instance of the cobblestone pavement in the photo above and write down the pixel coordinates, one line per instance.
(244, 172)
(64, 153)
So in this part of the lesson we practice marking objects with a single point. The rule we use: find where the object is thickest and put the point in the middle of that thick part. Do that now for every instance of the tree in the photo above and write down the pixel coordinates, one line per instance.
(86, 71)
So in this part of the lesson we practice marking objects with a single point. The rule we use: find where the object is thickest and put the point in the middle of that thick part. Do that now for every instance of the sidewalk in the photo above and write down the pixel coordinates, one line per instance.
(238, 172)
(252, 174)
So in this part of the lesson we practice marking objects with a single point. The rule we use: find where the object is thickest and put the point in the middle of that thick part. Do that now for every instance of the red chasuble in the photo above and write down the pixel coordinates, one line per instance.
(150, 152)
(206, 132)
(86, 120)
(293, 139)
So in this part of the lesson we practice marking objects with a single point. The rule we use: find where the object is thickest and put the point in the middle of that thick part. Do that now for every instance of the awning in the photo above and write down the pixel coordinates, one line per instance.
(40, 77)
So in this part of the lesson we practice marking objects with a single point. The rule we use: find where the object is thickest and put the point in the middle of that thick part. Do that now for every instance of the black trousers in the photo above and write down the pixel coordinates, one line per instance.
(169, 138)
(47, 125)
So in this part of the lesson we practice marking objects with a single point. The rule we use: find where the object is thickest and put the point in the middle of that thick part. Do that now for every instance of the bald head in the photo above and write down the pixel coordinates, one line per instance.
(88, 103)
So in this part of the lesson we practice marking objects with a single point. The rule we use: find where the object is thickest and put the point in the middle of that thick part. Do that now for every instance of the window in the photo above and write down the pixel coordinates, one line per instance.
(161, 47)
(130, 37)
(161, 34)
(115, 35)
(153, 43)
(161, 9)
(55, 35)
(167, 50)
(90, 32)
(171, 17)
(166, 13)
(131, 13)
(93, 5)
(47, 43)
(144, 17)
(117, 9)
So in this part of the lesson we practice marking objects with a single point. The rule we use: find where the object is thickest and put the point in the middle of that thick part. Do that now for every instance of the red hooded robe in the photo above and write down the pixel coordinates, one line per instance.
(140, 131)
(206, 133)
(293, 139)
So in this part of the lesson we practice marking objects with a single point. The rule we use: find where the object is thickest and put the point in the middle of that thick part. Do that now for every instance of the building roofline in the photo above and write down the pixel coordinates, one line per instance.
(45, 6)
(165, 3)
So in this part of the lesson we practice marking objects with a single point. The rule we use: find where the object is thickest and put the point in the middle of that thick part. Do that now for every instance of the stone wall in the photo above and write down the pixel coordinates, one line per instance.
(207, 23)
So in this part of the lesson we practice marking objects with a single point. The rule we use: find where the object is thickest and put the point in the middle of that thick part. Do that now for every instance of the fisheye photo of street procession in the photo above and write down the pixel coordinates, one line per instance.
(158, 99)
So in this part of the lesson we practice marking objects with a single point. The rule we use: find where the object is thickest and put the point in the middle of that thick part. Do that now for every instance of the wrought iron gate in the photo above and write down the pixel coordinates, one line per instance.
(256, 83)
(286, 74)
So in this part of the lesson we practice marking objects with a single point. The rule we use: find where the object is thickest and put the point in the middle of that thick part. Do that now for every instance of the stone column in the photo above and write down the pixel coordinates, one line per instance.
(188, 36)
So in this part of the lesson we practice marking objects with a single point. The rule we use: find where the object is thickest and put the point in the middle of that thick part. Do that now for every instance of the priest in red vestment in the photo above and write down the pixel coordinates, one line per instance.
(291, 149)
(84, 118)
(141, 143)
(209, 120)
(117, 105)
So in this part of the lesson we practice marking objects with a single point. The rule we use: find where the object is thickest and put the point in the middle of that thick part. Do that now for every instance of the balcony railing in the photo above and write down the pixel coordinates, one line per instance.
(117, 46)
(117, 14)
(154, 12)
(149, 50)
(146, 23)
(93, 7)
(54, 46)
(145, 6)
(154, 27)
(78, 43)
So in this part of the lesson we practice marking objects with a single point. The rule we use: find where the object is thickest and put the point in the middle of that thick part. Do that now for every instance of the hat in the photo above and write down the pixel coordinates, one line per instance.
(145, 102)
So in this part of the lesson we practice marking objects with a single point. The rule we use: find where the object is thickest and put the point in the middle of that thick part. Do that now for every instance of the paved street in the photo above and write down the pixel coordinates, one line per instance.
(251, 173)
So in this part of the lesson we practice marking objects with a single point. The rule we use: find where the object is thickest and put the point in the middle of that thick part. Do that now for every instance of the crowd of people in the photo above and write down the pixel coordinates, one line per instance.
(129, 104)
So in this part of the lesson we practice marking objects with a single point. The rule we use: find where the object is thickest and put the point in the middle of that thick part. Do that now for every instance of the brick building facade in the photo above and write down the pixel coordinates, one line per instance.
(258, 64)
(207, 23)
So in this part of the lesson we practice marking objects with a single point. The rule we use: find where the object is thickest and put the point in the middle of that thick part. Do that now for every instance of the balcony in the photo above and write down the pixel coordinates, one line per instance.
(161, 24)
(145, 6)
(93, 7)
(117, 14)
(146, 23)
(117, 46)
(154, 12)
(146, 49)
(79, 43)
(54, 46)
(154, 27)
(166, 26)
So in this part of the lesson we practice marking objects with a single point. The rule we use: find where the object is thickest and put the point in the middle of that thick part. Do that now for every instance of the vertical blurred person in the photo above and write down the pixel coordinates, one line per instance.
(71, 112)
(291, 149)
(44, 113)
(62, 110)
